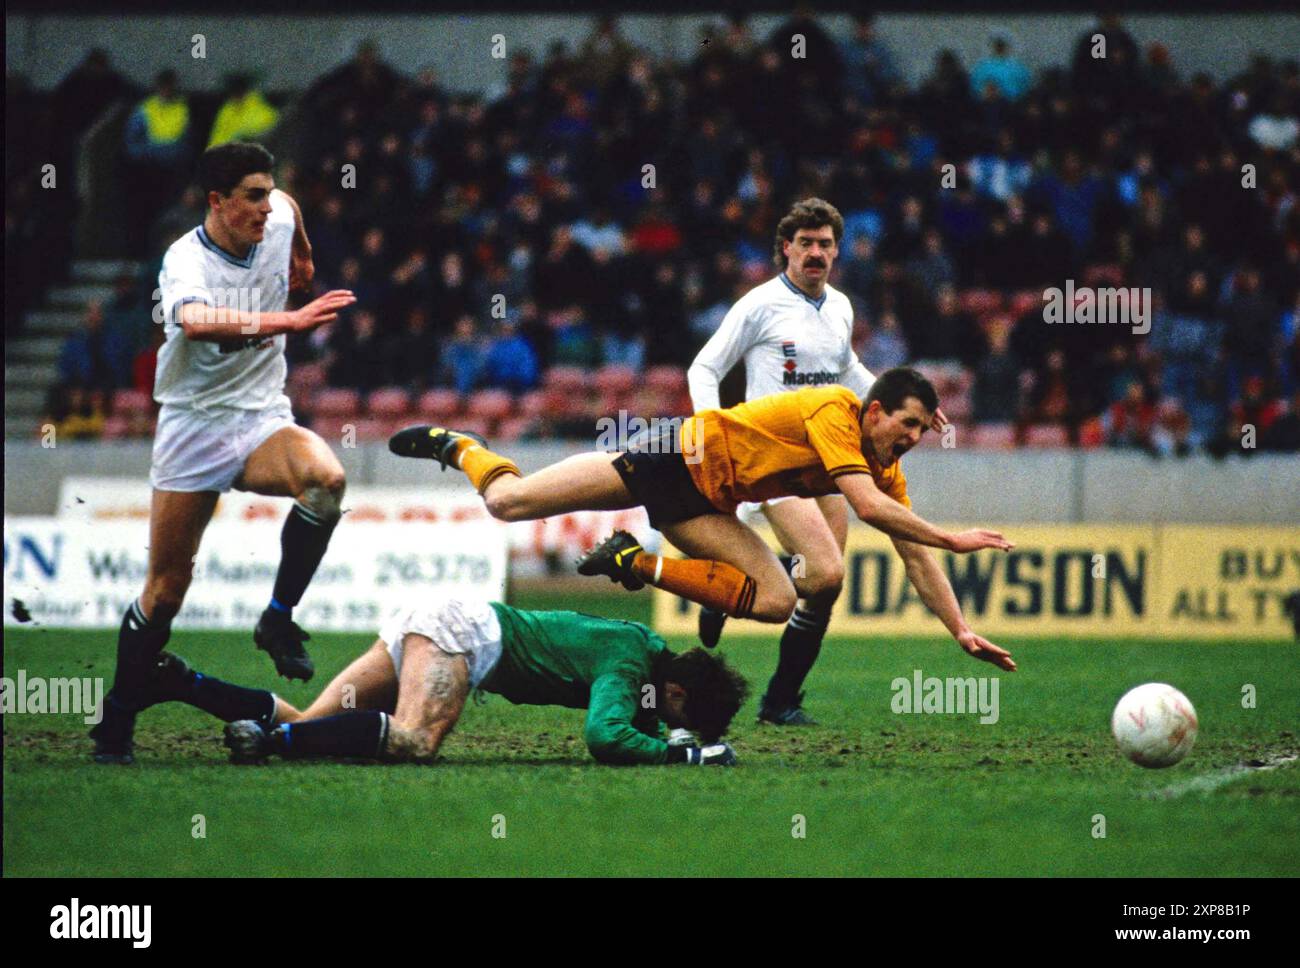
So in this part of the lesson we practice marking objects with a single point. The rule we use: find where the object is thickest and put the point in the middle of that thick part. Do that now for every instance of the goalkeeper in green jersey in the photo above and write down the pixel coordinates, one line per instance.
(398, 700)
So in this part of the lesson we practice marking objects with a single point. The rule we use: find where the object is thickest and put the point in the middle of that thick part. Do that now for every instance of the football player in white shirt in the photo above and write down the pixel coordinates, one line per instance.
(792, 331)
(225, 421)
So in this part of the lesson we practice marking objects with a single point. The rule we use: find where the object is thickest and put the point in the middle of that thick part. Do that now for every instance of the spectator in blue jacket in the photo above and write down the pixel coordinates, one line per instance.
(511, 362)
(1006, 73)
(94, 357)
(463, 357)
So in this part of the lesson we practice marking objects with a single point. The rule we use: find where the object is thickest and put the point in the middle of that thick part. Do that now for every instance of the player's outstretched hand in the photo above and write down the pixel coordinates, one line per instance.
(981, 648)
(719, 754)
(977, 539)
(324, 310)
(938, 421)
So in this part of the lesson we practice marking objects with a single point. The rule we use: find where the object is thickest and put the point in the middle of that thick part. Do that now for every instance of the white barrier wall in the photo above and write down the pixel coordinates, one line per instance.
(67, 572)
(1020, 486)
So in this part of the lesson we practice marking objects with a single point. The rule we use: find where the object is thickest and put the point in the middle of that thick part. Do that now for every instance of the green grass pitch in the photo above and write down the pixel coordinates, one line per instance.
(878, 793)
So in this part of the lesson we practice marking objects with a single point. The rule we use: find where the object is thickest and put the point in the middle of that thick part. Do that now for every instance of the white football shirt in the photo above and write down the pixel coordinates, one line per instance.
(788, 341)
(247, 371)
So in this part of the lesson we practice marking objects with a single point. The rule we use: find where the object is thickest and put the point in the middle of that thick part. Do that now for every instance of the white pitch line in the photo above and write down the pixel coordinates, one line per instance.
(1208, 782)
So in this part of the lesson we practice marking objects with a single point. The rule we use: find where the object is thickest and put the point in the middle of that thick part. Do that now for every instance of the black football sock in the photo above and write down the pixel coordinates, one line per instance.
(117, 725)
(800, 644)
(358, 733)
(303, 541)
(138, 641)
(227, 701)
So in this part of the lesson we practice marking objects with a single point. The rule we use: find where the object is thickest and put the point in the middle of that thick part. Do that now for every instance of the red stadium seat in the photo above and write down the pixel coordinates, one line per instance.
(1047, 435)
(514, 428)
(388, 402)
(331, 429)
(611, 402)
(994, 436)
(1091, 434)
(645, 401)
(337, 402)
(308, 376)
(491, 405)
(956, 406)
(583, 406)
(630, 400)
(615, 379)
(558, 402)
(571, 379)
(126, 402)
(532, 404)
(475, 425)
(670, 379)
(437, 405)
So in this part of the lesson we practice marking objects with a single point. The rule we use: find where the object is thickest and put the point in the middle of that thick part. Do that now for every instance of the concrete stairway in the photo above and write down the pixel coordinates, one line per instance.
(31, 360)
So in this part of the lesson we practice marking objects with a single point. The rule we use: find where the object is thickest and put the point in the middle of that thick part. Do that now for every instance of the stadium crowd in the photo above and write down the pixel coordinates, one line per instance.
(514, 257)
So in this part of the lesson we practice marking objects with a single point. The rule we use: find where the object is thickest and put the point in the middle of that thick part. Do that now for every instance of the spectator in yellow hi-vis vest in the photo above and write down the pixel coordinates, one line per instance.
(156, 145)
(158, 128)
(244, 116)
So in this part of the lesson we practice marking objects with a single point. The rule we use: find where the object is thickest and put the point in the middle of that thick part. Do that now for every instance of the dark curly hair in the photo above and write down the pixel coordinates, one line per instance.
(807, 213)
(714, 691)
(222, 168)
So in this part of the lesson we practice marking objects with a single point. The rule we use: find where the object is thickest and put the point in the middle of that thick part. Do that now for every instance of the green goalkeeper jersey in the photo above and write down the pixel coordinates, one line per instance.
(585, 662)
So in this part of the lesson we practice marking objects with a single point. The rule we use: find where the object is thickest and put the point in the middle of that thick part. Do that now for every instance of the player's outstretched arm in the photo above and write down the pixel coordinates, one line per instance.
(932, 585)
(609, 734)
(881, 511)
(200, 321)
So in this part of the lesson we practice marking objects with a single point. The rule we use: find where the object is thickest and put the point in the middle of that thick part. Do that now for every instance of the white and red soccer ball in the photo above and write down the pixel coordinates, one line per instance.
(1154, 725)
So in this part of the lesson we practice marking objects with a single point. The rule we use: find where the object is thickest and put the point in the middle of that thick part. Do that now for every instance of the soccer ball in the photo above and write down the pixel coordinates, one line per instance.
(1154, 725)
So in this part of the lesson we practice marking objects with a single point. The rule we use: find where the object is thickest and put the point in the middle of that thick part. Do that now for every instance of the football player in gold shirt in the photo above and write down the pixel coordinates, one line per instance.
(691, 478)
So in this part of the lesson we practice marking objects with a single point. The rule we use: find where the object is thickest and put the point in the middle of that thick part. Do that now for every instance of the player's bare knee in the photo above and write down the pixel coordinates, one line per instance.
(824, 583)
(324, 497)
(775, 605)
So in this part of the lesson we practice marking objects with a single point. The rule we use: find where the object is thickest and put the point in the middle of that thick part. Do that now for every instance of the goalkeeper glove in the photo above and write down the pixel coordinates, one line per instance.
(681, 737)
(719, 754)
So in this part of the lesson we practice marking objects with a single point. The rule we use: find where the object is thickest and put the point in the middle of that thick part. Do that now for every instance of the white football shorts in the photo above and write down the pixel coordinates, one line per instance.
(205, 450)
(750, 509)
(458, 626)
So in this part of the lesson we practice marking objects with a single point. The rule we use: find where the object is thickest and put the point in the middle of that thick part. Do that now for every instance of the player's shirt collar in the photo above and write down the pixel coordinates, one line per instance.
(818, 303)
(244, 263)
